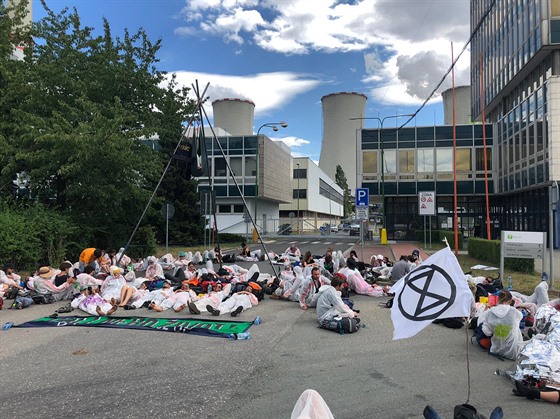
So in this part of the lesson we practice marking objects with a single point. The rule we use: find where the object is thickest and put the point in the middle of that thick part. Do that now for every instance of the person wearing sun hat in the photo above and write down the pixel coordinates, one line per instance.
(43, 285)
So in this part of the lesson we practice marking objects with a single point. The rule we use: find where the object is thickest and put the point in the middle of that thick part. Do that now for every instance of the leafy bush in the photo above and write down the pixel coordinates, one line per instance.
(230, 238)
(144, 243)
(490, 251)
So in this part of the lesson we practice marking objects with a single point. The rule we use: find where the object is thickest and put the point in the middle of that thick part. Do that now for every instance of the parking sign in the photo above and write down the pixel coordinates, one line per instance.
(362, 197)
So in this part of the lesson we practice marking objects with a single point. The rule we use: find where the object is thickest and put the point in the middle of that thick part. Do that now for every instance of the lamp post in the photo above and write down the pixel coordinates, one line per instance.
(298, 176)
(274, 126)
(380, 141)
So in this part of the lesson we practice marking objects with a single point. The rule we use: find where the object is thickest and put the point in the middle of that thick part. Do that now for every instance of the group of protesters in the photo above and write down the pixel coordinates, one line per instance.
(100, 283)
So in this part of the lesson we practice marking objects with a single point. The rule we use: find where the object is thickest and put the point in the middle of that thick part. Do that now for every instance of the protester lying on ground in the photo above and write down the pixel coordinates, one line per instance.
(310, 286)
(92, 303)
(551, 396)
(214, 298)
(501, 323)
(158, 295)
(21, 302)
(535, 300)
(42, 284)
(241, 300)
(293, 293)
(357, 283)
(129, 295)
(177, 300)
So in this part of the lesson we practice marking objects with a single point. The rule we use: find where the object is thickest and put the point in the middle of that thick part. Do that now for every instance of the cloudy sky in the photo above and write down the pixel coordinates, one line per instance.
(284, 55)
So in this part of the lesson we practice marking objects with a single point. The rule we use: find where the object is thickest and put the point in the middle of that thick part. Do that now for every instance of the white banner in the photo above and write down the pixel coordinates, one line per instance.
(436, 289)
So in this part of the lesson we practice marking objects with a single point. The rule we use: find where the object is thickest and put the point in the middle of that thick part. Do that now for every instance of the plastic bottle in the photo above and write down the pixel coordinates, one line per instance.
(209, 290)
(509, 283)
(257, 320)
(7, 326)
(242, 336)
(522, 322)
(544, 277)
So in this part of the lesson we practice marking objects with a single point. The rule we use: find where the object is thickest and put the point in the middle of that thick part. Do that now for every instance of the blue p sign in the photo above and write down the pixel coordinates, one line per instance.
(362, 197)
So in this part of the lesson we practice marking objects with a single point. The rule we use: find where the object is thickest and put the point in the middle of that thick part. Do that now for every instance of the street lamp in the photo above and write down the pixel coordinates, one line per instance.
(298, 193)
(274, 126)
(380, 141)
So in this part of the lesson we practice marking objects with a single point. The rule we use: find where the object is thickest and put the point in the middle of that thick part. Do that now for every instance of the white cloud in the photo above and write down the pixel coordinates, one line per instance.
(406, 43)
(268, 91)
(293, 141)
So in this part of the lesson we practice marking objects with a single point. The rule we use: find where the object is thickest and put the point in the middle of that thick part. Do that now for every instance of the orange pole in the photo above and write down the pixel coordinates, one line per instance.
(482, 100)
(455, 217)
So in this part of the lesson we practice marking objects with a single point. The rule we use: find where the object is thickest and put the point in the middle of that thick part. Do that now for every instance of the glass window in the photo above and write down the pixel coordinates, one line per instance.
(250, 166)
(369, 161)
(425, 160)
(464, 160)
(236, 164)
(220, 168)
(224, 209)
(300, 193)
(235, 145)
(444, 160)
(390, 161)
(238, 209)
(406, 161)
(300, 173)
(480, 159)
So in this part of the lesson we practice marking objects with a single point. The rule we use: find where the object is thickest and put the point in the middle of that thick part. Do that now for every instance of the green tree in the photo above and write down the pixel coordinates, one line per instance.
(340, 180)
(76, 110)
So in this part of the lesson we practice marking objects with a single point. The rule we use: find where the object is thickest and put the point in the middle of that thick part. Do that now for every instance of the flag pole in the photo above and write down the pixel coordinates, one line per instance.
(455, 217)
(482, 100)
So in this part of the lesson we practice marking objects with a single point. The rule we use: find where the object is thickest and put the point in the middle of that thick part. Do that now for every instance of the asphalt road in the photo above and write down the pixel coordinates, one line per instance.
(92, 372)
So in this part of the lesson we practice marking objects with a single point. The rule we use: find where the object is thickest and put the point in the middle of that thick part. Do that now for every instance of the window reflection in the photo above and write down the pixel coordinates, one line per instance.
(369, 161)
(406, 161)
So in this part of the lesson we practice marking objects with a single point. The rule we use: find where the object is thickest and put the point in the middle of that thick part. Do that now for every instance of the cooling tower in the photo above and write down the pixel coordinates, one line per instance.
(340, 133)
(462, 106)
(234, 115)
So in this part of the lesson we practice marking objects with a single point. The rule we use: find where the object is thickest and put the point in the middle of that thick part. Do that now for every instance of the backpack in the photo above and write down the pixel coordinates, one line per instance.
(12, 293)
(37, 298)
(453, 322)
(342, 326)
(483, 340)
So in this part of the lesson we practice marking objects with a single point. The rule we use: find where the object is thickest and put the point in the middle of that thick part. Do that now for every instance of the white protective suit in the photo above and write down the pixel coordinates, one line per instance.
(329, 304)
(311, 405)
(539, 297)
(502, 323)
(239, 299)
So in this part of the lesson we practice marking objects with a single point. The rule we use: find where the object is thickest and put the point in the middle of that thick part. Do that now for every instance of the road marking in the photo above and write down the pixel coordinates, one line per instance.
(316, 242)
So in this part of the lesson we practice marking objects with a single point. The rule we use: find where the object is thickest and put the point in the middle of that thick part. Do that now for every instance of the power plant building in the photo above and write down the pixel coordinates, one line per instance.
(340, 133)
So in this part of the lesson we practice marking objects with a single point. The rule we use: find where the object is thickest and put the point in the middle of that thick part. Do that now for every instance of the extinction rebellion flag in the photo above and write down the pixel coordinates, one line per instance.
(436, 289)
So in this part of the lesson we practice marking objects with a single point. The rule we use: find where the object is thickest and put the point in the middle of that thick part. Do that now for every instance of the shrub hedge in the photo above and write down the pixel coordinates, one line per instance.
(489, 251)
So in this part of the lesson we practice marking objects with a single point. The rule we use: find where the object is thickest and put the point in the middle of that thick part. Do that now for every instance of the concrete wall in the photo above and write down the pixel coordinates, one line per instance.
(234, 115)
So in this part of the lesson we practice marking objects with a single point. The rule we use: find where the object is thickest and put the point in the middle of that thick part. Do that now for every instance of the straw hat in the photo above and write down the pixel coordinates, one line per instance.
(46, 272)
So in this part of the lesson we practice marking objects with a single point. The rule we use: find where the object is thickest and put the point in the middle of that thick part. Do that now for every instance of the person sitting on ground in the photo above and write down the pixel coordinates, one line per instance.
(91, 255)
(85, 279)
(501, 323)
(154, 271)
(376, 261)
(42, 284)
(241, 300)
(329, 302)
(292, 292)
(61, 277)
(551, 396)
(310, 287)
(291, 254)
(245, 251)
(357, 283)
(112, 285)
(218, 257)
(9, 278)
(400, 269)
(179, 266)
(123, 260)
(417, 258)
(109, 259)
(307, 259)
(92, 303)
